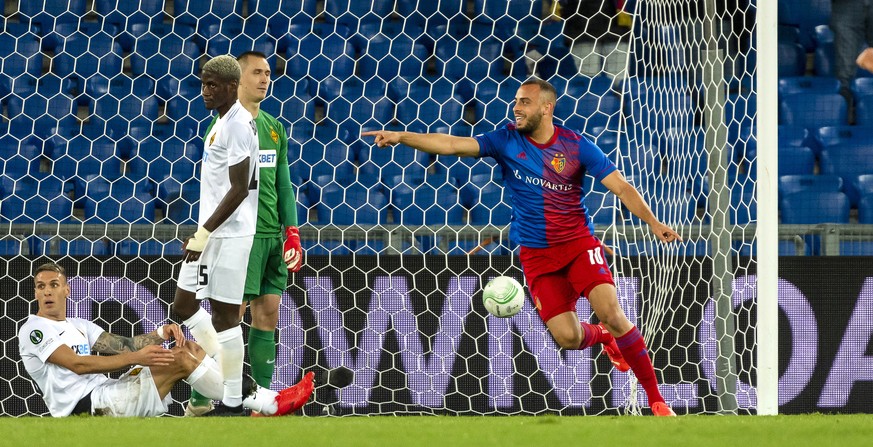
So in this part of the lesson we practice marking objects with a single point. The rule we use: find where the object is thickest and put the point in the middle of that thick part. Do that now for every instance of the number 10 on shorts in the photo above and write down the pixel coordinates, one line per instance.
(595, 256)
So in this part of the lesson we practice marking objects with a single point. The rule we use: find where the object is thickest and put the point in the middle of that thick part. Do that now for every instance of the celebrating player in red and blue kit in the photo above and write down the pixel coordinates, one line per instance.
(543, 167)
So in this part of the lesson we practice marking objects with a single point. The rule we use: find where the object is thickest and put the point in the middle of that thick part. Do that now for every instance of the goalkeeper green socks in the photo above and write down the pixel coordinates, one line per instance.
(262, 355)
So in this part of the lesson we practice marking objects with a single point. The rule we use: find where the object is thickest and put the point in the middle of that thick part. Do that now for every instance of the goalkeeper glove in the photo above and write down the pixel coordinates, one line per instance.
(293, 251)
(198, 241)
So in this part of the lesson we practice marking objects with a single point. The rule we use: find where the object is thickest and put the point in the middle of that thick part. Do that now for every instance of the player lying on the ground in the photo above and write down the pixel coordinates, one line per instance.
(57, 353)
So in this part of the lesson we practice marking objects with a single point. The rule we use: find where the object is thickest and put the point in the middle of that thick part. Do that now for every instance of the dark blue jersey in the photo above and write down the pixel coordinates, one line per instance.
(545, 183)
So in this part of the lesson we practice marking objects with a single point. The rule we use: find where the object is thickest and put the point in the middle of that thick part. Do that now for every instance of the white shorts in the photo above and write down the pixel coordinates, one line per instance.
(132, 395)
(220, 273)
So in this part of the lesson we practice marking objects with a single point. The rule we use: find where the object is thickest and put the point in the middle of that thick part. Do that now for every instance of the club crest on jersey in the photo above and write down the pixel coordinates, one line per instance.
(559, 162)
(35, 336)
(212, 139)
(274, 136)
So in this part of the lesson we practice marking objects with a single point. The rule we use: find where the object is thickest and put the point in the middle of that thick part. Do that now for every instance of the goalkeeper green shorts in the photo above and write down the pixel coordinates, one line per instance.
(267, 272)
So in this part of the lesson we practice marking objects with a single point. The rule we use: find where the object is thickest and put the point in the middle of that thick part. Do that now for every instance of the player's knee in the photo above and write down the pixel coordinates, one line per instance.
(567, 339)
(184, 305)
(265, 321)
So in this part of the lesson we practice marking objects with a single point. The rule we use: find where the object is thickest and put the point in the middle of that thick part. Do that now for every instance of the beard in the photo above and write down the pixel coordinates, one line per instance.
(533, 122)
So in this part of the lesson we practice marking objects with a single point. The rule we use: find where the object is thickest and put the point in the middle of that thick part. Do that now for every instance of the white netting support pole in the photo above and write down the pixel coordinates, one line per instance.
(767, 334)
(714, 86)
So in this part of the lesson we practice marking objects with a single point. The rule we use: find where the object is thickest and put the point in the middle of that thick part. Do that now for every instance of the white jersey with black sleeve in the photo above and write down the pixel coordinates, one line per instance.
(61, 388)
(232, 139)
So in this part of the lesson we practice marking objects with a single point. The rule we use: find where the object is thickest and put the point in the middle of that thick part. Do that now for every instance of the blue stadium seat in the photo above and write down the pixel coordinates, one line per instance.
(790, 135)
(823, 60)
(587, 111)
(805, 15)
(180, 201)
(796, 160)
(862, 184)
(353, 14)
(813, 110)
(27, 57)
(865, 209)
(426, 204)
(136, 209)
(200, 15)
(862, 87)
(282, 14)
(468, 59)
(127, 109)
(807, 84)
(45, 13)
(167, 87)
(31, 199)
(814, 207)
(432, 15)
(792, 184)
(388, 58)
(354, 204)
(56, 246)
(83, 56)
(864, 111)
(848, 162)
(509, 17)
(9, 246)
(430, 112)
(81, 157)
(188, 114)
(490, 205)
(127, 12)
(843, 135)
(792, 59)
(389, 163)
(319, 57)
(21, 157)
(157, 56)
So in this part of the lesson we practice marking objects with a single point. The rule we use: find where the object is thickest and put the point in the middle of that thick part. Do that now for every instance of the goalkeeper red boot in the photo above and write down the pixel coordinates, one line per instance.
(614, 354)
(661, 409)
(294, 397)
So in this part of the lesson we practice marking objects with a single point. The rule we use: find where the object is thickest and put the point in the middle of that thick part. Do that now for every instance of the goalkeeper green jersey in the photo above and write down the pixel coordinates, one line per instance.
(276, 202)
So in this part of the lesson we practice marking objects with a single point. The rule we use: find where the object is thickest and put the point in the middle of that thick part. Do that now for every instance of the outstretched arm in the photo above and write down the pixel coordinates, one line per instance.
(432, 143)
(632, 199)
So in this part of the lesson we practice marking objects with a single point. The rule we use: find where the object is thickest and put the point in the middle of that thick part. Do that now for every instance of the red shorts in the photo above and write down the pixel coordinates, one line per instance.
(558, 275)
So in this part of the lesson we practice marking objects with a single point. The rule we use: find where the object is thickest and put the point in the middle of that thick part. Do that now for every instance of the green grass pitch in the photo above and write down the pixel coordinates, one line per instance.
(708, 431)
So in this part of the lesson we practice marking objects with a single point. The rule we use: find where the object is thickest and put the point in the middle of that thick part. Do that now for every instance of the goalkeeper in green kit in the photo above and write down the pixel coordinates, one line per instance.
(271, 258)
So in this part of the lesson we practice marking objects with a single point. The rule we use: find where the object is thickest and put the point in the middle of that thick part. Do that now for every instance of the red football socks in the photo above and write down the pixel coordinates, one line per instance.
(592, 334)
(633, 349)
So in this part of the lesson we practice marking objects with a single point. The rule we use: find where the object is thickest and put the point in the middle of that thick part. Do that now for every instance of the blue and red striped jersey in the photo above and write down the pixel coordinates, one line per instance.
(545, 183)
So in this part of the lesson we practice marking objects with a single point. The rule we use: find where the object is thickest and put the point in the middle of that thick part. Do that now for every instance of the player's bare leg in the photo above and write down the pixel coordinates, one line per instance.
(604, 302)
(570, 333)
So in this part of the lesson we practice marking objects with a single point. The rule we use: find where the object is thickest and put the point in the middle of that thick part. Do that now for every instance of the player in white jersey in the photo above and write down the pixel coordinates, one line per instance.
(217, 255)
(57, 353)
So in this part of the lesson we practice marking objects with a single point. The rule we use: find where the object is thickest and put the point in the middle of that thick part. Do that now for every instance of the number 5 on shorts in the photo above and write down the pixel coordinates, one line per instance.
(203, 278)
(595, 256)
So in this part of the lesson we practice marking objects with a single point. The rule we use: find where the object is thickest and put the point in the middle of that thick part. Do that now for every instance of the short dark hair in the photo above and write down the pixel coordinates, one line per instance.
(544, 86)
(49, 267)
(252, 54)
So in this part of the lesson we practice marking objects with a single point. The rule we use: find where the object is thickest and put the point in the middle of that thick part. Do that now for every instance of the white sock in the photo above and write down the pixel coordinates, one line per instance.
(263, 401)
(232, 351)
(200, 325)
(207, 380)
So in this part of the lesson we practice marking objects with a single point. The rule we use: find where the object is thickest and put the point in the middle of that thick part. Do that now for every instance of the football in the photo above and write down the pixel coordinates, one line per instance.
(503, 296)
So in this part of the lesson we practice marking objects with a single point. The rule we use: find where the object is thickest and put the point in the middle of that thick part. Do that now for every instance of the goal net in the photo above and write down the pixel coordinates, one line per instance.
(102, 128)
